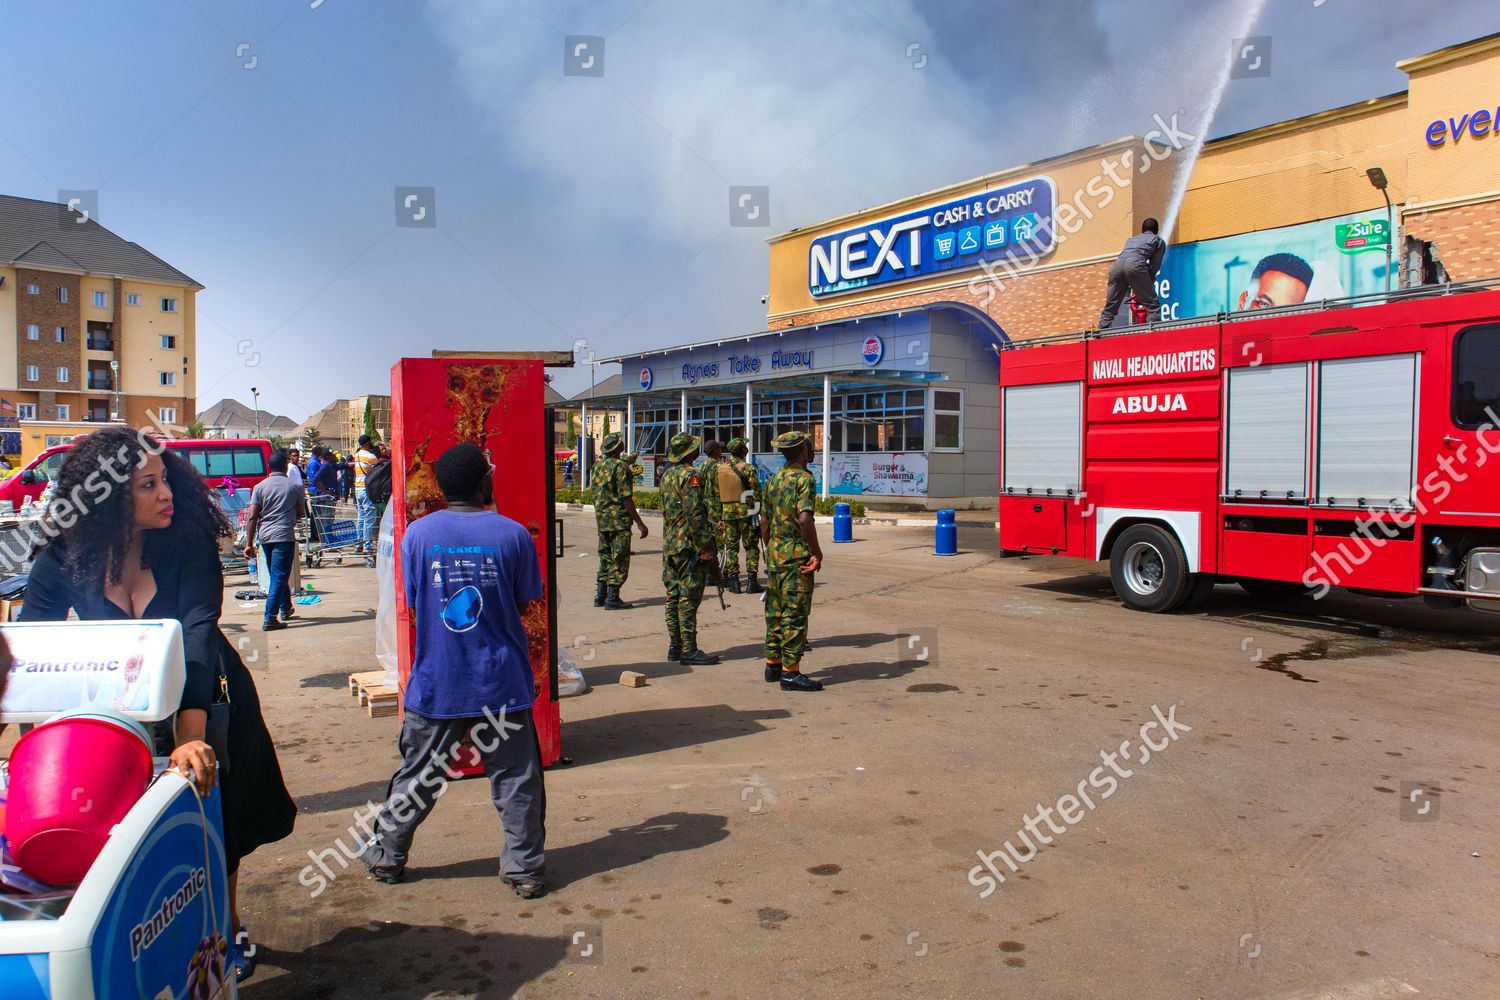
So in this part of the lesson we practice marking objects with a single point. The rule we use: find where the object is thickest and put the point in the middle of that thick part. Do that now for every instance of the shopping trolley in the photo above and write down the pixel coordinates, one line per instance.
(331, 530)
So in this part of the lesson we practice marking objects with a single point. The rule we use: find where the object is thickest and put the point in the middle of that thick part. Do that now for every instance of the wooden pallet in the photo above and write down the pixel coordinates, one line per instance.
(377, 698)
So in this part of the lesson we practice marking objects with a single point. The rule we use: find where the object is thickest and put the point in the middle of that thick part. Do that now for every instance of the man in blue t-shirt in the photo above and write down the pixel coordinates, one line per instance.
(469, 574)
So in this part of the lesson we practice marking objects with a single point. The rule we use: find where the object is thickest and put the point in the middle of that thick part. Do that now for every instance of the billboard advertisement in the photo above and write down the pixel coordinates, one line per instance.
(1328, 259)
(1016, 218)
(873, 473)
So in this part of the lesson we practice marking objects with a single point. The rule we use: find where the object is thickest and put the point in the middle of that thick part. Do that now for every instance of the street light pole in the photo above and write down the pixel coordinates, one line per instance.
(1378, 179)
(255, 395)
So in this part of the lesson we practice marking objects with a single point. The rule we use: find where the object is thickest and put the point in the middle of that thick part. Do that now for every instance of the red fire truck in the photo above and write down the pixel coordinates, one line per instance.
(1349, 444)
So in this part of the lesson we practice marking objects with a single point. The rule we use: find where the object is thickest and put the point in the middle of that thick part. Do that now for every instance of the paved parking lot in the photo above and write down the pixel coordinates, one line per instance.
(717, 837)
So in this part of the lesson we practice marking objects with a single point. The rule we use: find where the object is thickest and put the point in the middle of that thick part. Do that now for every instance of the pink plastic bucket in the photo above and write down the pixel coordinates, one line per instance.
(71, 780)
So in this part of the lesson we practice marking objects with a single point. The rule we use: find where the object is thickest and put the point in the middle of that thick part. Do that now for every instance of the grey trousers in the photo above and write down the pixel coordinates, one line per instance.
(1122, 281)
(512, 761)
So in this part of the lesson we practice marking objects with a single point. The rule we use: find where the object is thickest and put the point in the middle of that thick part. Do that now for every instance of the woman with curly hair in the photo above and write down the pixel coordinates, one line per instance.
(133, 533)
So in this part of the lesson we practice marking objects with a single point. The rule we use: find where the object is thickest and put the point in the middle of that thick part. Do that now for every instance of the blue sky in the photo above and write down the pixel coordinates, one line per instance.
(589, 208)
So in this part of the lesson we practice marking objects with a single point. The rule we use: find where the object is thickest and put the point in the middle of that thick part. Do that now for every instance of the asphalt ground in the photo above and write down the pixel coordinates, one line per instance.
(715, 836)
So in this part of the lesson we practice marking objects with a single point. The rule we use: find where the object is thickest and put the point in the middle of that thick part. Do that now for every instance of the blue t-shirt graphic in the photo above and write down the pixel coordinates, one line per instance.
(467, 576)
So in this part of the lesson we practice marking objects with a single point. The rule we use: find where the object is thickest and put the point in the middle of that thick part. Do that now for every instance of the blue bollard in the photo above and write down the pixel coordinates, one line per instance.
(946, 543)
(843, 523)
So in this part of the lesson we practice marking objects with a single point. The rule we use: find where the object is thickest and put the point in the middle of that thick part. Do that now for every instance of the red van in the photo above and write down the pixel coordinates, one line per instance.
(244, 459)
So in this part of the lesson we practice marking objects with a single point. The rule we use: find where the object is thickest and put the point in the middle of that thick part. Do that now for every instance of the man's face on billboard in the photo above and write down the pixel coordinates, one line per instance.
(1274, 288)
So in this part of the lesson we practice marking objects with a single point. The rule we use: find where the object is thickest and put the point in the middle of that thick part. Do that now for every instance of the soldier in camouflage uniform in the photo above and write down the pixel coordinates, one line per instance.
(744, 485)
(614, 510)
(687, 550)
(792, 557)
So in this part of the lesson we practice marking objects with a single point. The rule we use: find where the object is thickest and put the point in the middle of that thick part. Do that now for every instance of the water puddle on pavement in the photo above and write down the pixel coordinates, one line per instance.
(1370, 640)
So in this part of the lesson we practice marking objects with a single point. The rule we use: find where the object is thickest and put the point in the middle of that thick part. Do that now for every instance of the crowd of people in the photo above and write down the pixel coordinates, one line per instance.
(362, 477)
(713, 505)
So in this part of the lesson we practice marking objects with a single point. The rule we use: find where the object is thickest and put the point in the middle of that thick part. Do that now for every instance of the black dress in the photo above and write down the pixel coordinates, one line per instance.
(190, 588)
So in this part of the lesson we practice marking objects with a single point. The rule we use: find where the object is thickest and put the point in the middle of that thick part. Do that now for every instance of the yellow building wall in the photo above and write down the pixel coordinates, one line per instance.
(34, 435)
(87, 286)
(1449, 86)
(142, 358)
(1296, 172)
(8, 330)
(1112, 206)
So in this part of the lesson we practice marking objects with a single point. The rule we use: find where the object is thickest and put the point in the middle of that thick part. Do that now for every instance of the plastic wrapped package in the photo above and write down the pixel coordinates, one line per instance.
(569, 678)
(385, 609)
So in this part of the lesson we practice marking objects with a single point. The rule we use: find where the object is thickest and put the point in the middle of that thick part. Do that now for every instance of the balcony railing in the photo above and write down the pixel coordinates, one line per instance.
(101, 381)
(99, 344)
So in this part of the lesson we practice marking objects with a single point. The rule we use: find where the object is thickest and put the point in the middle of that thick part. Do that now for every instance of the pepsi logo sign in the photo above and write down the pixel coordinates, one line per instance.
(872, 351)
(645, 378)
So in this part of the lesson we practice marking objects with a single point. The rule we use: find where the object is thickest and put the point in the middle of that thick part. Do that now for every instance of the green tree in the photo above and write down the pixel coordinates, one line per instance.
(605, 431)
(311, 438)
(277, 442)
(194, 429)
(370, 428)
(572, 429)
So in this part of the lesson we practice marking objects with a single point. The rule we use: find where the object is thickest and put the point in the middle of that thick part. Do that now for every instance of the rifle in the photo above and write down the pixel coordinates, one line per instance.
(716, 575)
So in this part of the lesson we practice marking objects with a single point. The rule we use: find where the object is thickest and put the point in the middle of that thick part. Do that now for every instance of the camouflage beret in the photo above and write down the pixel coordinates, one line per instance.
(735, 444)
(789, 440)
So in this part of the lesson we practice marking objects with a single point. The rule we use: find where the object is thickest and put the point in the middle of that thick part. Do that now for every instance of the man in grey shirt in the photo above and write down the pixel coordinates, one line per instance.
(1135, 271)
(276, 505)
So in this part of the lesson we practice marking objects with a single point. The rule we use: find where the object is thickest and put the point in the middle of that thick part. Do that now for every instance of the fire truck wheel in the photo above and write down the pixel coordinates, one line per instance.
(1149, 569)
(1273, 590)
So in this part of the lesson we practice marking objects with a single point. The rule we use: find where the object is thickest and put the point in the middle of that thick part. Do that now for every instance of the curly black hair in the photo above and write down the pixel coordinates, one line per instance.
(105, 508)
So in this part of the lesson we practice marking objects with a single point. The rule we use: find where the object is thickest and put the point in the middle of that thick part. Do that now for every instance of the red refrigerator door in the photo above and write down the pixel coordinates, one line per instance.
(498, 405)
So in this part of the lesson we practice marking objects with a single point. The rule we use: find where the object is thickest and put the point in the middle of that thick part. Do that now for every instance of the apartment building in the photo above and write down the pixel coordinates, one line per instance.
(93, 327)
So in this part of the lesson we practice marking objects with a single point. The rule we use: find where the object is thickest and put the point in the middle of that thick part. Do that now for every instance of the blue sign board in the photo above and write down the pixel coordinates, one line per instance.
(1011, 220)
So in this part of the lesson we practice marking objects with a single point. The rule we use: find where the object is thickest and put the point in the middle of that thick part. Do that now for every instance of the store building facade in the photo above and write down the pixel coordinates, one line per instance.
(953, 274)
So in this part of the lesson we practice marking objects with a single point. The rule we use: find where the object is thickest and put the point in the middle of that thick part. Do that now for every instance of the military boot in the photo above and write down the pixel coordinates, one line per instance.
(692, 656)
(599, 594)
(753, 586)
(674, 649)
(733, 584)
(612, 600)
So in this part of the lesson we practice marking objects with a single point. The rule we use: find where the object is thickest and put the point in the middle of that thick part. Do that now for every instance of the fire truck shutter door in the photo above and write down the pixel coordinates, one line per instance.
(1366, 420)
(1043, 424)
(1267, 448)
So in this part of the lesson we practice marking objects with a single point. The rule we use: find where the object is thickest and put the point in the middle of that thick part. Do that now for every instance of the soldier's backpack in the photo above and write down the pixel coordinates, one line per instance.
(731, 487)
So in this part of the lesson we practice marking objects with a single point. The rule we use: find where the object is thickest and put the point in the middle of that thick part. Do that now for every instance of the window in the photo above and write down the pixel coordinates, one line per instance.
(62, 373)
(64, 411)
(167, 414)
(1476, 376)
(168, 378)
(168, 343)
(947, 420)
(220, 463)
(101, 300)
(33, 289)
(26, 411)
(62, 293)
(132, 299)
(199, 461)
(249, 462)
(168, 305)
(33, 373)
(53, 465)
(33, 332)
(62, 335)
